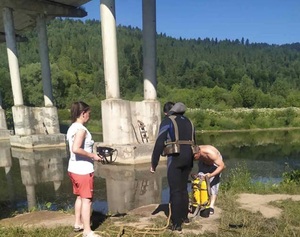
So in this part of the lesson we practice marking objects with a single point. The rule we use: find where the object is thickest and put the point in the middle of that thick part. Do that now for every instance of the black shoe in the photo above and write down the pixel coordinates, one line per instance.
(175, 228)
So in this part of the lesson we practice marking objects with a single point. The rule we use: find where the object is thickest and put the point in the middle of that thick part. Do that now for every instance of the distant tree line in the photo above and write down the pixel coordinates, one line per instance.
(203, 73)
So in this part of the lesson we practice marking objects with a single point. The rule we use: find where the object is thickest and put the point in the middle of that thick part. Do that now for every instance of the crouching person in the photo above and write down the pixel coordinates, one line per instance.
(211, 165)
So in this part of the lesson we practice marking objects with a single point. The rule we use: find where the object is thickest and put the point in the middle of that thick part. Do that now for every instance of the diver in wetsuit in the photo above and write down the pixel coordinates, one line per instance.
(179, 165)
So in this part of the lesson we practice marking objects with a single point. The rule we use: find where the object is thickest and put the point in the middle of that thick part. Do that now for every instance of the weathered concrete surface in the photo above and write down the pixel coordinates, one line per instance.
(38, 141)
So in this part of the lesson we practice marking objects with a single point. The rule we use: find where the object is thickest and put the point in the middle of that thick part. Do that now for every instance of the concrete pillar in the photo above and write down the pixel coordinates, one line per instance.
(57, 185)
(3, 124)
(29, 177)
(149, 49)
(149, 113)
(116, 122)
(6, 162)
(109, 44)
(10, 183)
(12, 56)
(50, 120)
(44, 55)
(133, 183)
(31, 196)
(22, 120)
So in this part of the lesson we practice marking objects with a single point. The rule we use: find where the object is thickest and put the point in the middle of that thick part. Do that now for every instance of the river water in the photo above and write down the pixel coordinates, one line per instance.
(37, 179)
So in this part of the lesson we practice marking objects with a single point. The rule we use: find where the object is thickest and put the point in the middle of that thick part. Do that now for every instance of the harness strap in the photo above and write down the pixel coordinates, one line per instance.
(181, 142)
(172, 117)
(177, 141)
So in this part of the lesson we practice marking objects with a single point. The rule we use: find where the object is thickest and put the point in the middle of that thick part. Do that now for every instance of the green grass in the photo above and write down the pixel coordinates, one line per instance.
(35, 232)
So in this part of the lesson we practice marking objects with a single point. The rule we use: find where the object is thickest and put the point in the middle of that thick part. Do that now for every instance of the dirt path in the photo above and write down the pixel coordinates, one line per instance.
(250, 202)
(256, 202)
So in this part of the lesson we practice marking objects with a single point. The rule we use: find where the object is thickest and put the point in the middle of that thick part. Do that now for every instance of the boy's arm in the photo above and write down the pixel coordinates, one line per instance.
(217, 160)
(220, 167)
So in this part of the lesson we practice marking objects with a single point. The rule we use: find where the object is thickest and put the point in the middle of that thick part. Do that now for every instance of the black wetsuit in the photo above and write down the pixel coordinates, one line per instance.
(179, 165)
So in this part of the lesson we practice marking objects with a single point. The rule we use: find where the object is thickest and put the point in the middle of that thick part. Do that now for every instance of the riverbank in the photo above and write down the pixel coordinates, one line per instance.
(152, 219)
(249, 130)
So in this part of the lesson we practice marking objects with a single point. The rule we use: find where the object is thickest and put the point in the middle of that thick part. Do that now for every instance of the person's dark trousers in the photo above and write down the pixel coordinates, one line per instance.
(179, 199)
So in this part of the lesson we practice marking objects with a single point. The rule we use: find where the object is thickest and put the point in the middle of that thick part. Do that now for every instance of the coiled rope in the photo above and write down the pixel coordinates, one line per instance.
(131, 231)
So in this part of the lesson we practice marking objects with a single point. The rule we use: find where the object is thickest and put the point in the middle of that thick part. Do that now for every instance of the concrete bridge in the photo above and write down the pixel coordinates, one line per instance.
(128, 126)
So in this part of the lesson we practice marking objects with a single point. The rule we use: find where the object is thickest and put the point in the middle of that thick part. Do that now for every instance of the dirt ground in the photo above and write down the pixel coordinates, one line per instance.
(251, 202)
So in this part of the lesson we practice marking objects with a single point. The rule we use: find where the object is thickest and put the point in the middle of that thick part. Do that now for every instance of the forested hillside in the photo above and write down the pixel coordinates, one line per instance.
(203, 73)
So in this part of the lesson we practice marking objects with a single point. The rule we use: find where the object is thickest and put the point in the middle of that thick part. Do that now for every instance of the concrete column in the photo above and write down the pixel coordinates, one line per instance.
(57, 185)
(133, 183)
(44, 55)
(12, 56)
(10, 183)
(29, 177)
(116, 122)
(22, 120)
(6, 162)
(149, 49)
(109, 44)
(3, 124)
(31, 196)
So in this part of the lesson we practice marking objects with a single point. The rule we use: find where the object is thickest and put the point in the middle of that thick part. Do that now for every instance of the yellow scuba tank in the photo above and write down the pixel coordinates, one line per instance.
(200, 196)
(200, 192)
(196, 192)
(204, 197)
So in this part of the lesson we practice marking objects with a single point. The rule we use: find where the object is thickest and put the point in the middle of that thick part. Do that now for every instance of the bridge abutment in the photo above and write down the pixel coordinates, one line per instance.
(122, 129)
(36, 127)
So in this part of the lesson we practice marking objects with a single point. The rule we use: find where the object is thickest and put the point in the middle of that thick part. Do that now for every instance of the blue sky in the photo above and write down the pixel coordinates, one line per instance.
(262, 21)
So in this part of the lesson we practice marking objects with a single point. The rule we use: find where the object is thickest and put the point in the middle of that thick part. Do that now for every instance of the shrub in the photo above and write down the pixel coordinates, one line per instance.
(231, 119)
(238, 180)
(291, 177)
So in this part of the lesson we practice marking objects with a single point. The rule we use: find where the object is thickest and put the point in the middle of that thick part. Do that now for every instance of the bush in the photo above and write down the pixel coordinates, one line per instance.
(238, 180)
(291, 177)
(232, 119)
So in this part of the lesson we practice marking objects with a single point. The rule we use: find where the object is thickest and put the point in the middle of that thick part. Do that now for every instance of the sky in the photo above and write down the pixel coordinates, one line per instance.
(259, 21)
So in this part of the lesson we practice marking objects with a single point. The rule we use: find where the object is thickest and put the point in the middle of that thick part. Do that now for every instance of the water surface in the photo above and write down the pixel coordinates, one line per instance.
(38, 178)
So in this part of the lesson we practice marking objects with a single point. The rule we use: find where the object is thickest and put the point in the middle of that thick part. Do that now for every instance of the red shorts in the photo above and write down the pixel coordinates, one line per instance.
(83, 184)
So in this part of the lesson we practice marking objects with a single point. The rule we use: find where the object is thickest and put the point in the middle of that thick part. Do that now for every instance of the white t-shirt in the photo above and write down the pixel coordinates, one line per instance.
(80, 164)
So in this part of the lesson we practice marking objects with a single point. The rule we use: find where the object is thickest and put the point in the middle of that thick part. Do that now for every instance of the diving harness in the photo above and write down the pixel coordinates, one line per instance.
(173, 147)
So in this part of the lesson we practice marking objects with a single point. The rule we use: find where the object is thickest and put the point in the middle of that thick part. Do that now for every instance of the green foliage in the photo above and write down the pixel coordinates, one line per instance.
(291, 177)
(290, 216)
(203, 73)
(238, 180)
(48, 205)
(32, 84)
(9, 118)
(235, 119)
(34, 232)
(64, 114)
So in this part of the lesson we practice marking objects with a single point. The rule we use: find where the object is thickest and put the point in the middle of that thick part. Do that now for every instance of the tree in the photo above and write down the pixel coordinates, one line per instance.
(32, 87)
(247, 92)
